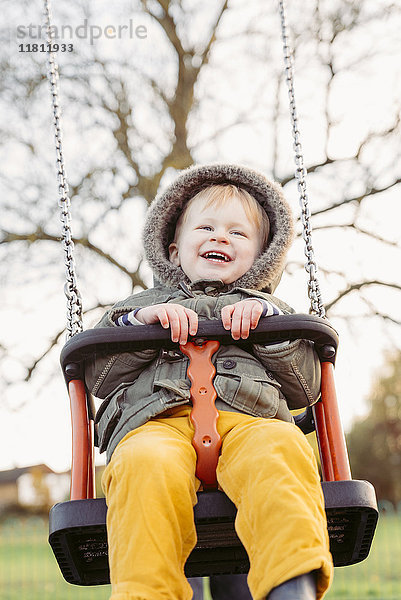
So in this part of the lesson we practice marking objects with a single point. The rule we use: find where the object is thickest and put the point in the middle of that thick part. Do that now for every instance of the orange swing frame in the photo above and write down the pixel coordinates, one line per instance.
(329, 431)
(77, 528)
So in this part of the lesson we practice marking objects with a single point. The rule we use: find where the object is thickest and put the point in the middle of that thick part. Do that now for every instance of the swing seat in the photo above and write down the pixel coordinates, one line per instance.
(77, 528)
(79, 540)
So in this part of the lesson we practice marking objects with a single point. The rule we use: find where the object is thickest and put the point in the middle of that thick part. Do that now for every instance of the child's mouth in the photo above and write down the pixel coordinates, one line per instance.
(217, 257)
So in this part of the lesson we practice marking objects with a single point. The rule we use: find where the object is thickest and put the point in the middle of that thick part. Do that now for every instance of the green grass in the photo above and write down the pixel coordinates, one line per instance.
(28, 569)
(379, 576)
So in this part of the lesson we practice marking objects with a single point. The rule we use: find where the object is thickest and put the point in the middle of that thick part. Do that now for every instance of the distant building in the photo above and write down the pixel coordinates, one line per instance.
(36, 486)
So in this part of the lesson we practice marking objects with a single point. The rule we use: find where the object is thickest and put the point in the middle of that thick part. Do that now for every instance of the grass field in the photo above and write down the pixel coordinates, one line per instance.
(28, 570)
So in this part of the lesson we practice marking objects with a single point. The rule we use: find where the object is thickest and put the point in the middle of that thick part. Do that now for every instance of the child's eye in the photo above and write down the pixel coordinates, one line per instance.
(238, 233)
(207, 227)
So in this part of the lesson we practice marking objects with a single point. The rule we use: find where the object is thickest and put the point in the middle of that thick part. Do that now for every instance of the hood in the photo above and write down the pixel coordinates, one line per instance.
(164, 211)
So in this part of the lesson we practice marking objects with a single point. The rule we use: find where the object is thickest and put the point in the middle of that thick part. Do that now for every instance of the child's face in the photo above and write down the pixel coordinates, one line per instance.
(225, 230)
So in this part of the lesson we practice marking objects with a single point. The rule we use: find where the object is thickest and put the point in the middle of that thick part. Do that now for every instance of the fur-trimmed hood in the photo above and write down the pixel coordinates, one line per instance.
(166, 208)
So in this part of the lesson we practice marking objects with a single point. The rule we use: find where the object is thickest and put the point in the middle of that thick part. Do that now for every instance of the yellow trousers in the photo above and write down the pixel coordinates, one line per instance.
(266, 467)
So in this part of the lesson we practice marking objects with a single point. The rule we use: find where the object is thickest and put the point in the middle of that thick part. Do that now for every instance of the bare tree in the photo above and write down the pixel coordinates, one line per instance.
(208, 78)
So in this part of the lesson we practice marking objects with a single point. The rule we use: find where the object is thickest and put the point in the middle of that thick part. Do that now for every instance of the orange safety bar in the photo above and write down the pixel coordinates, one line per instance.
(329, 430)
(204, 415)
(82, 466)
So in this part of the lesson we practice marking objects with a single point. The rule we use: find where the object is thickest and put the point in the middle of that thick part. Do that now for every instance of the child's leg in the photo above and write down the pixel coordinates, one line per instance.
(229, 587)
(150, 489)
(269, 471)
(222, 587)
(196, 584)
(302, 587)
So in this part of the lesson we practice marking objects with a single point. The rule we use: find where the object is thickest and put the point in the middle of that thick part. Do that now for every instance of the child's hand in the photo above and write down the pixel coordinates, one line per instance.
(241, 317)
(181, 320)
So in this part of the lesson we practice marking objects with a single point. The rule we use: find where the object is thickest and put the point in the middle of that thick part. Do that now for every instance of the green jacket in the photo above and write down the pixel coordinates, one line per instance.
(266, 381)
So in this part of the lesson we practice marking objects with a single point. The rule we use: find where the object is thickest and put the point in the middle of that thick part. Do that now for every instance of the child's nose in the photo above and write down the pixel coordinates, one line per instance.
(221, 237)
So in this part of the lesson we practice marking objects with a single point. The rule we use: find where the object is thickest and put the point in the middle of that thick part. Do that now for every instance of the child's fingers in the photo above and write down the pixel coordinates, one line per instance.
(239, 317)
(188, 323)
(183, 335)
(250, 317)
(245, 316)
(162, 316)
(192, 321)
(183, 321)
(174, 322)
(236, 321)
(226, 313)
(246, 319)
(257, 310)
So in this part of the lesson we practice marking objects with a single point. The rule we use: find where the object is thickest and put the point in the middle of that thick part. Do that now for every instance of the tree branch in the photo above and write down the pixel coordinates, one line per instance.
(377, 313)
(372, 135)
(168, 25)
(311, 169)
(358, 286)
(40, 235)
(357, 199)
(54, 341)
(358, 229)
(212, 39)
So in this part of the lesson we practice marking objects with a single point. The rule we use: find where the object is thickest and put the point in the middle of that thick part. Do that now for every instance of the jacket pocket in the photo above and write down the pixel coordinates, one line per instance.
(246, 386)
(107, 418)
(179, 387)
(297, 367)
(171, 374)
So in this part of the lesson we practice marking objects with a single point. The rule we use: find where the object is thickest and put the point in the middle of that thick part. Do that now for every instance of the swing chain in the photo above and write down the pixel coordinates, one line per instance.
(314, 293)
(74, 301)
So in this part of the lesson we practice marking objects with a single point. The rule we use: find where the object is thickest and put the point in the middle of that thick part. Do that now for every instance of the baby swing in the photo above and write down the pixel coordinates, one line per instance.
(77, 528)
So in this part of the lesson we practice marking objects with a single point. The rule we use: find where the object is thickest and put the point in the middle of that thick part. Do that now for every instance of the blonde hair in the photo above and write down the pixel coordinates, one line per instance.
(219, 195)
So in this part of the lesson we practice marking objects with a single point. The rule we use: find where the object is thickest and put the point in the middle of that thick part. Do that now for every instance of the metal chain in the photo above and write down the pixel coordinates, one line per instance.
(74, 302)
(314, 294)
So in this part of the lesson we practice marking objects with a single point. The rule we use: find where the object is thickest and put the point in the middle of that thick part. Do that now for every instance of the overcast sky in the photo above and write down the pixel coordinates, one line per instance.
(35, 418)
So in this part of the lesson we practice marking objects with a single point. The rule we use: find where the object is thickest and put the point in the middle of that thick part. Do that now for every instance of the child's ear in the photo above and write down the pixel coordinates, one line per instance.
(173, 254)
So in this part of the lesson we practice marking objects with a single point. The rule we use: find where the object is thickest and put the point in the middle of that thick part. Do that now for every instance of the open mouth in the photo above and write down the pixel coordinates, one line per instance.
(218, 257)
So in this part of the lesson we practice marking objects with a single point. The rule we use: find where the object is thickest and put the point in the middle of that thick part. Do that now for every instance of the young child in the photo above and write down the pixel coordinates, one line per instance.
(216, 241)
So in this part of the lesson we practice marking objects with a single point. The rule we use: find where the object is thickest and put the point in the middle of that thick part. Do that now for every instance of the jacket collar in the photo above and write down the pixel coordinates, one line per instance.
(210, 287)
